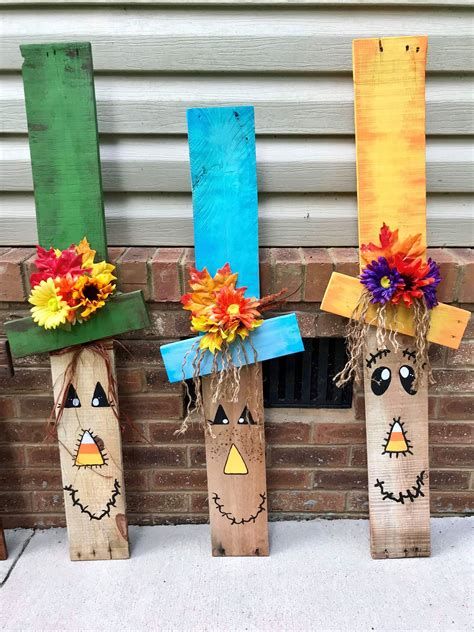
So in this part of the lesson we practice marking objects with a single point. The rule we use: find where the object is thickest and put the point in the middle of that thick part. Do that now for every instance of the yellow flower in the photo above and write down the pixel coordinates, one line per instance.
(50, 310)
(87, 253)
(91, 294)
(103, 272)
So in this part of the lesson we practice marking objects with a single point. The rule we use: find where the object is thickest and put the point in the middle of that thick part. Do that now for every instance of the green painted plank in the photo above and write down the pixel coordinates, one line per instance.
(124, 312)
(62, 127)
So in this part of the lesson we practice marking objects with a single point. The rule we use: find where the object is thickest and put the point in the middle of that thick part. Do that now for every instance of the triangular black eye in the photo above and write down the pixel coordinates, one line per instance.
(220, 417)
(72, 400)
(99, 399)
(246, 417)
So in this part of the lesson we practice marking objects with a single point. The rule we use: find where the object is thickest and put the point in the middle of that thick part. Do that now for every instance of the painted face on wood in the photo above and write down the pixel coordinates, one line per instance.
(391, 375)
(90, 456)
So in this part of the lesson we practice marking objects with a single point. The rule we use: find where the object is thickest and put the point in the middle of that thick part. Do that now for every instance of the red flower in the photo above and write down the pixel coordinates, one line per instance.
(49, 264)
(414, 273)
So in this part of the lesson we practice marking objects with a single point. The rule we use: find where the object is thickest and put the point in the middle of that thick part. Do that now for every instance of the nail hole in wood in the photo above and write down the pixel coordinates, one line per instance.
(380, 46)
(407, 47)
(417, 49)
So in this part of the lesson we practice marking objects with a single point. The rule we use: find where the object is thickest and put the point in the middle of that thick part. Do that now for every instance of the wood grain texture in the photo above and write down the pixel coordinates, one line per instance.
(149, 104)
(122, 313)
(284, 164)
(224, 186)
(213, 39)
(447, 325)
(3, 544)
(62, 125)
(277, 337)
(94, 496)
(238, 504)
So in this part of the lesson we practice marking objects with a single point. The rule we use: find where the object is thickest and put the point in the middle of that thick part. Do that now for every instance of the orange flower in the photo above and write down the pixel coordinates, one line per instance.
(390, 246)
(205, 288)
(91, 293)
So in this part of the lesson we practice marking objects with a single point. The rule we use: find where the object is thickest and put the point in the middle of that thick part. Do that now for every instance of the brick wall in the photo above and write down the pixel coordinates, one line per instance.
(316, 458)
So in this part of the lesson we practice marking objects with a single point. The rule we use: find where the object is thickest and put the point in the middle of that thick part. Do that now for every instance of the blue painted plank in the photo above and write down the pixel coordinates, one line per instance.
(224, 184)
(277, 337)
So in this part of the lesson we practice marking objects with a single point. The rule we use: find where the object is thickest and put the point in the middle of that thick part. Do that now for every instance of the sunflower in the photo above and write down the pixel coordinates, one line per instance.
(50, 310)
(91, 294)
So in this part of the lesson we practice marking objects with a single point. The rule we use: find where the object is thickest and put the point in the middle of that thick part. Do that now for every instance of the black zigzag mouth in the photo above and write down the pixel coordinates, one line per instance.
(409, 494)
(112, 502)
(232, 519)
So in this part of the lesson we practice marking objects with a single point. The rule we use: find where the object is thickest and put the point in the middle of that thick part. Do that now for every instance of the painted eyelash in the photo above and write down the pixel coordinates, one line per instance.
(409, 354)
(376, 356)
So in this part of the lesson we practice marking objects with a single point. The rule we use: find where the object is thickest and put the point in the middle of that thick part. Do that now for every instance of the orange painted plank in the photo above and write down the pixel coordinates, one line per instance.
(447, 326)
(389, 85)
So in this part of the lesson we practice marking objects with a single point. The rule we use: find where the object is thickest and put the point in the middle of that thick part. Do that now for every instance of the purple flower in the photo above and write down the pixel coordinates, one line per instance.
(430, 290)
(381, 280)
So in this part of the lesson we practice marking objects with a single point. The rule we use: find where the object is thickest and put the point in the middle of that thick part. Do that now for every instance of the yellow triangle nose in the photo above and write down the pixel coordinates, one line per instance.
(235, 463)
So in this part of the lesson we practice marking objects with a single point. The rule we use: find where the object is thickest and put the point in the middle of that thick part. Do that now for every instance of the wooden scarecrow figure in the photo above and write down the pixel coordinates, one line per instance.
(393, 304)
(226, 311)
(73, 296)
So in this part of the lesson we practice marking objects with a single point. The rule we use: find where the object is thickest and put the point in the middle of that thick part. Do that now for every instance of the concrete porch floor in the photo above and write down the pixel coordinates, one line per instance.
(319, 577)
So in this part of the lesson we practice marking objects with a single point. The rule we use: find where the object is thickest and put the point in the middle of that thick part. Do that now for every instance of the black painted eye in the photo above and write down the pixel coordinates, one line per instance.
(407, 377)
(380, 380)
(99, 399)
(245, 417)
(72, 400)
(220, 418)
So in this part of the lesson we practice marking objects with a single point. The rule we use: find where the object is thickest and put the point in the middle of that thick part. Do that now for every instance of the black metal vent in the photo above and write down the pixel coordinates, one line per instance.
(305, 380)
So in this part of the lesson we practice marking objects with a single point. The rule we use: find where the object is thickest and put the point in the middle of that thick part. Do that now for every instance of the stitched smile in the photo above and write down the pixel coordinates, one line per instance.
(407, 494)
(112, 502)
(232, 519)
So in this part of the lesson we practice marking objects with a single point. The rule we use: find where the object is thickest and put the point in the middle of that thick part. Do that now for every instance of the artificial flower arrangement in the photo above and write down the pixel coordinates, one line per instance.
(395, 274)
(69, 287)
(225, 318)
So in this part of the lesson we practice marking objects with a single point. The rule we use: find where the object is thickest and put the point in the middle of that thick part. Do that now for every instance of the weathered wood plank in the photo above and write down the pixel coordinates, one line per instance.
(144, 104)
(277, 337)
(122, 313)
(60, 108)
(231, 39)
(91, 459)
(283, 165)
(3, 544)
(236, 478)
(447, 325)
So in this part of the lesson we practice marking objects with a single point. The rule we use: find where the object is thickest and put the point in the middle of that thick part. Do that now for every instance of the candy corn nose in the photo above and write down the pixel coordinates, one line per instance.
(235, 463)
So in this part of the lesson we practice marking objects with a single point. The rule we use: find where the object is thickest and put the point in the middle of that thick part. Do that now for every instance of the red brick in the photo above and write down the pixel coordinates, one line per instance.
(266, 275)
(149, 502)
(152, 456)
(147, 406)
(136, 480)
(453, 381)
(287, 432)
(309, 457)
(42, 456)
(307, 323)
(35, 407)
(18, 501)
(319, 266)
(358, 502)
(451, 433)
(27, 380)
(186, 263)
(156, 380)
(449, 479)
(179, 479)
(166, 274)
(172, 324)
(45, 502)
(340, 479)
(359, 406)
(449, 268)
(319, 502)
(7, 407)
(288, 272)
(339, 433)
(437, 355)
(197, 456)
(463, 356)
(288, 479)
(23, 431)
(114, 253)
(330, 325)
(132, 266)
(130, 380)
(466, 284)
(6, 367)
(30, 521)
(134, 432)
(11, 281)
(450, 502)
(12, 456)
(359, 456)
(26, 479)
(451, 456)
(453, 407)
(199, 503)
(164, 432)
(346, 260)
(130, 352)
